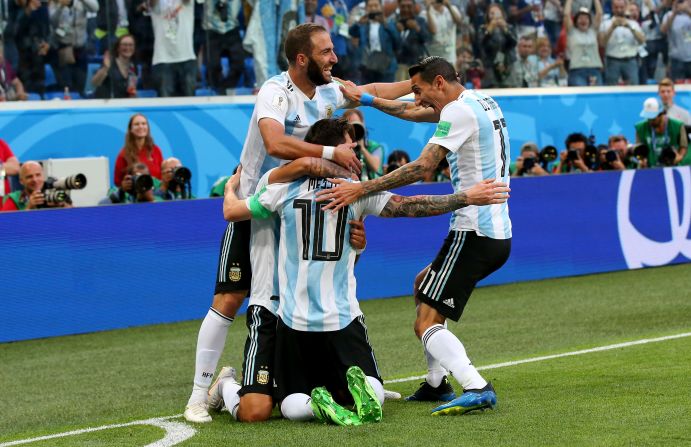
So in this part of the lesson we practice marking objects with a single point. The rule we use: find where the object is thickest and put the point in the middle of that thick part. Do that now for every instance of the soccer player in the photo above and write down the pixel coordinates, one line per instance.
(286, 106)
(471, 133)
(320, 333)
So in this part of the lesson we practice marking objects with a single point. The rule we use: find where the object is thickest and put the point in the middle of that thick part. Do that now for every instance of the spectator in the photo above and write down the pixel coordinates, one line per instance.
(9, 165)
(32, 35)
(31, 196)
(443, 18)
(337, 13)
(375, 42)
(8, 17)
(68, 39)
(139, 147)
(666, 91)
(525, 15)
(524, 72)
(175, 64)
(223, 39)
(551, 72)
(554, 14)
(370, 152)
(621, 38)
(633, 12)
(143, 32)
(665, 137)
(311, 15)
(175, 181)
(11, 87)
(676, 24)
(572, 159)
(655, 41)
(528, 162)
(137, 186)
(497, 41)
(469, 68)
(414, 34)
(612, 156)
(111, 22)
(117, 77)
(585, 65)
(397, 159)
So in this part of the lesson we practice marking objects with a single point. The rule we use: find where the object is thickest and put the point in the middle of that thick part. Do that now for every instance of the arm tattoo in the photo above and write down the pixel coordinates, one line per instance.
(423, 206)
(409, 173)
(319, 167)
(395, 108)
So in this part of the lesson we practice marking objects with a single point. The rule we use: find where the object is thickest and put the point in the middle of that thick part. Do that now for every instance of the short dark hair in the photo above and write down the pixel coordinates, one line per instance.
(433, 66)
(576, 137)
(299, 40)
(329, 132)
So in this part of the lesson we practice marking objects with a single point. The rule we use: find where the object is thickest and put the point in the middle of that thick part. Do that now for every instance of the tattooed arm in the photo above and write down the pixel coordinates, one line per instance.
(406, 110)
(423, 206)
(310, 166)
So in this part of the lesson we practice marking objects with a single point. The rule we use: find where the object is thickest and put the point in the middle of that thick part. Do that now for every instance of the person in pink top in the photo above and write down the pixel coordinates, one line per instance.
(139, 147)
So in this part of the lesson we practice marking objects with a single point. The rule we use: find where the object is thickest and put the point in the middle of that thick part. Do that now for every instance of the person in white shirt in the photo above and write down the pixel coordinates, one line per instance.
(443, 18)
(676, 24)
(621, 38)
(666, 91)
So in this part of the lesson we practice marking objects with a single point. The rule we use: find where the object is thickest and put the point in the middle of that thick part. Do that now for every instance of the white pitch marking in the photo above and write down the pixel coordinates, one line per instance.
(176, 432)
(556, 356)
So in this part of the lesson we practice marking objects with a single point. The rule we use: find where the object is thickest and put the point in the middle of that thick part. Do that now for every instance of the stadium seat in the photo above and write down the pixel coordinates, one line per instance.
(204, 92)
(33, 96)
(50, 76)
(147, 94)
(90, 71)
(61, 95)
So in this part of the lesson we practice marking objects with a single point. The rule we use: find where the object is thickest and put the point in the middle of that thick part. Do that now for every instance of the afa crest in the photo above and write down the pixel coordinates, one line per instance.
(329, 111)
(263, 377)
(235, 273)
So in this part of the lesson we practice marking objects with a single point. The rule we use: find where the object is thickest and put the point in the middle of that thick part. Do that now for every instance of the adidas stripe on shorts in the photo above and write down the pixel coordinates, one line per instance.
(234, 270)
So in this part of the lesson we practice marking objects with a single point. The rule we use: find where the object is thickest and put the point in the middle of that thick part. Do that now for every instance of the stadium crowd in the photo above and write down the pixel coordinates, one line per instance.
(130, 48)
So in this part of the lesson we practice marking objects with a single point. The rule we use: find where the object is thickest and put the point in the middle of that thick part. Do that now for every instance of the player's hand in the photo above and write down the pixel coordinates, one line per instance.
(343, 194)
(345, 156)
(358, 238)
(350, 91)
(487, 192)
(35, 199)
(233, 182)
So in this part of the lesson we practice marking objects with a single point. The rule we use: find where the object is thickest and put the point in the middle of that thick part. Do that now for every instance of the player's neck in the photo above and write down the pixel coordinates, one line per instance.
(302, 82)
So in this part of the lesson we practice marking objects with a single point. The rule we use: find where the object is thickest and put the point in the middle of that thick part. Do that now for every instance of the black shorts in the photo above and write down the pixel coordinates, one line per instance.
(464, 259)
(306, 360)
(258, 361)
(234, 270)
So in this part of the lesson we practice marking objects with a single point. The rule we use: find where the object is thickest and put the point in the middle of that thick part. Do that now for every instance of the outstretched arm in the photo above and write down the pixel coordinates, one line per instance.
(313, 167)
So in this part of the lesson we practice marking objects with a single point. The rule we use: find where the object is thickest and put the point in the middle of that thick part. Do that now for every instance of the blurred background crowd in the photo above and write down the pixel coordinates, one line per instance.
(144, 48)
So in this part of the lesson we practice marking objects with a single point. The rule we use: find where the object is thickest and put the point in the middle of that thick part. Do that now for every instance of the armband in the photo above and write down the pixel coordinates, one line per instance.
(328, 152)
(366, 99)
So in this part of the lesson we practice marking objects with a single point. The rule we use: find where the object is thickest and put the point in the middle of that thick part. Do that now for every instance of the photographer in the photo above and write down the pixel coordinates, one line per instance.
(573, 158)
(32, 196)
(374, 45)
(175, 181)
(528, 163)
(137, 186)
(612, 156)
(368, 151)
(665, 137)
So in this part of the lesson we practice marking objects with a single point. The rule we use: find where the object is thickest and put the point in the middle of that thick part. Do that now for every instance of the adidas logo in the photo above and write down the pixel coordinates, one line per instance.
(297, 118)
(449, 302)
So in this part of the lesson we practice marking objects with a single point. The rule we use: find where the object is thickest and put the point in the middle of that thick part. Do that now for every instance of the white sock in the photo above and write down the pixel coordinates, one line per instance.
(210, 343)
(297, 407)
(445, 347)
(231, 398)
(378, 388)
(435, 372)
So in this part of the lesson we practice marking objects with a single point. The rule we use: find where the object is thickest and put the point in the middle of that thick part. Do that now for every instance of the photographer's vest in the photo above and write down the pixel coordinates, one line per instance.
(656, 142)
(16, 197)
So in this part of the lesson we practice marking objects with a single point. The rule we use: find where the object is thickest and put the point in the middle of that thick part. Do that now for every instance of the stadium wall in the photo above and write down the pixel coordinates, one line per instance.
(207, 133)
(91, 269)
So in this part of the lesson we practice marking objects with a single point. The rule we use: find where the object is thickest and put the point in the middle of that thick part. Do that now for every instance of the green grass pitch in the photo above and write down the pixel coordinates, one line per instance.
(631, 396)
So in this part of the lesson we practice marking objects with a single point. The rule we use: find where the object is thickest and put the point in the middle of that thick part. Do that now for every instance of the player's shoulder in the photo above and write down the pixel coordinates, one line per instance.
(279, 82)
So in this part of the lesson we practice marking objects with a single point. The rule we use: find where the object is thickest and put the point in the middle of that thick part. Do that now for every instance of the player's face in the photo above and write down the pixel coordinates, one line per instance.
(426, 94)
(322, 59)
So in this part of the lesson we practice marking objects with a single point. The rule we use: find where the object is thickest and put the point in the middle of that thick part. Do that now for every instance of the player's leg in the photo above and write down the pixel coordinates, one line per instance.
(232, 282)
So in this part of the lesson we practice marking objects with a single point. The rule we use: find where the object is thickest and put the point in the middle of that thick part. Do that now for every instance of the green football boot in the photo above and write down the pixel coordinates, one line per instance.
(366, 401)
(327, 411)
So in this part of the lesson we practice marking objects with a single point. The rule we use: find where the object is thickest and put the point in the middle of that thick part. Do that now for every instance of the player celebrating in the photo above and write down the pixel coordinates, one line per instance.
(471, 133)
(320, 333)
(286, 106)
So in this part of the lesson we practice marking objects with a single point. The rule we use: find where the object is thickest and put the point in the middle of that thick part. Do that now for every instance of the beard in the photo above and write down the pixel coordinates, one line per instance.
(315, 73)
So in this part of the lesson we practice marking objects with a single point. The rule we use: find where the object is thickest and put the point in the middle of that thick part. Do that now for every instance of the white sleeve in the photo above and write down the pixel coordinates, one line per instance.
(635, 26)
(456, 125)
(272, 102)
(372, 204)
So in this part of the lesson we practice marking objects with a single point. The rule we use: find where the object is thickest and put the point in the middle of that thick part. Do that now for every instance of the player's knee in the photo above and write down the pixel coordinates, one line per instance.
(228, 303)
(255, 410)
(419, 329)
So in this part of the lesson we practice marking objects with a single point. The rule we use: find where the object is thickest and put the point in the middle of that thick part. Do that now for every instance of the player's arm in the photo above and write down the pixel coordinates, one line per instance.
(234, 209)
(387, 90)
(310, 166)
(285, 147)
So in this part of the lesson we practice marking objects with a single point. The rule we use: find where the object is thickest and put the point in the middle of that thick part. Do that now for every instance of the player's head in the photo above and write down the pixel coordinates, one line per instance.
(429, 80)
(330, 132)
(309, 48)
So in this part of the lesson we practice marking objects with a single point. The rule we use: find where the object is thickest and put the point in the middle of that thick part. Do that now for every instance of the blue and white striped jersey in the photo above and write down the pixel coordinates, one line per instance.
(279, 99)
(316, 262)
(474, 131)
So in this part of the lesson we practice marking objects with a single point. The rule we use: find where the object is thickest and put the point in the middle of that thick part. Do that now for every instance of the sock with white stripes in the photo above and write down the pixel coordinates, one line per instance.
(435, 372)
(210, 344)
(297, 407)
(445, 347)
(378, 388)
(231, 398)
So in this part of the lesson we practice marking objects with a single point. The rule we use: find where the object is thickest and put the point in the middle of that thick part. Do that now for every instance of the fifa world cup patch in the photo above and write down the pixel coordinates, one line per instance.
(443, 129)
(263, 377)
(235, 273)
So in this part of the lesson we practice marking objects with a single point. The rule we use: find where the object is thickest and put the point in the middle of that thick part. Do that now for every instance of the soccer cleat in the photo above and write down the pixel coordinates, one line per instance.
(391, 395)
(197, 412)
(326, 410)
(215, 397)
(366, 400)
(470, 400)
(427, 393)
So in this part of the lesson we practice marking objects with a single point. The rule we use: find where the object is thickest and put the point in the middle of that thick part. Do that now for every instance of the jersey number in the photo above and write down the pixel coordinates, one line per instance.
(318, 252)
(499, 125)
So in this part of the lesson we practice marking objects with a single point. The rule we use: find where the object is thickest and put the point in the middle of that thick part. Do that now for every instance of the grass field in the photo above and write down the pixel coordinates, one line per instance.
(634, 395)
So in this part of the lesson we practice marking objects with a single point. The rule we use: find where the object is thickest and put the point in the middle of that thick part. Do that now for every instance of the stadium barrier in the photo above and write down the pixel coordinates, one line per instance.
(207, 134)
(92, 269)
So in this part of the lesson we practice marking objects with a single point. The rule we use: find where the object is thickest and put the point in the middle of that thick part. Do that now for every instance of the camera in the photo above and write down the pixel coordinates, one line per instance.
(222, 10)
(55, 191)
(590, 156)
(572, 155)
(373, 15)
(181, 175)
(667, 156)
(528, 163)
(611, 156)
(142, 183)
